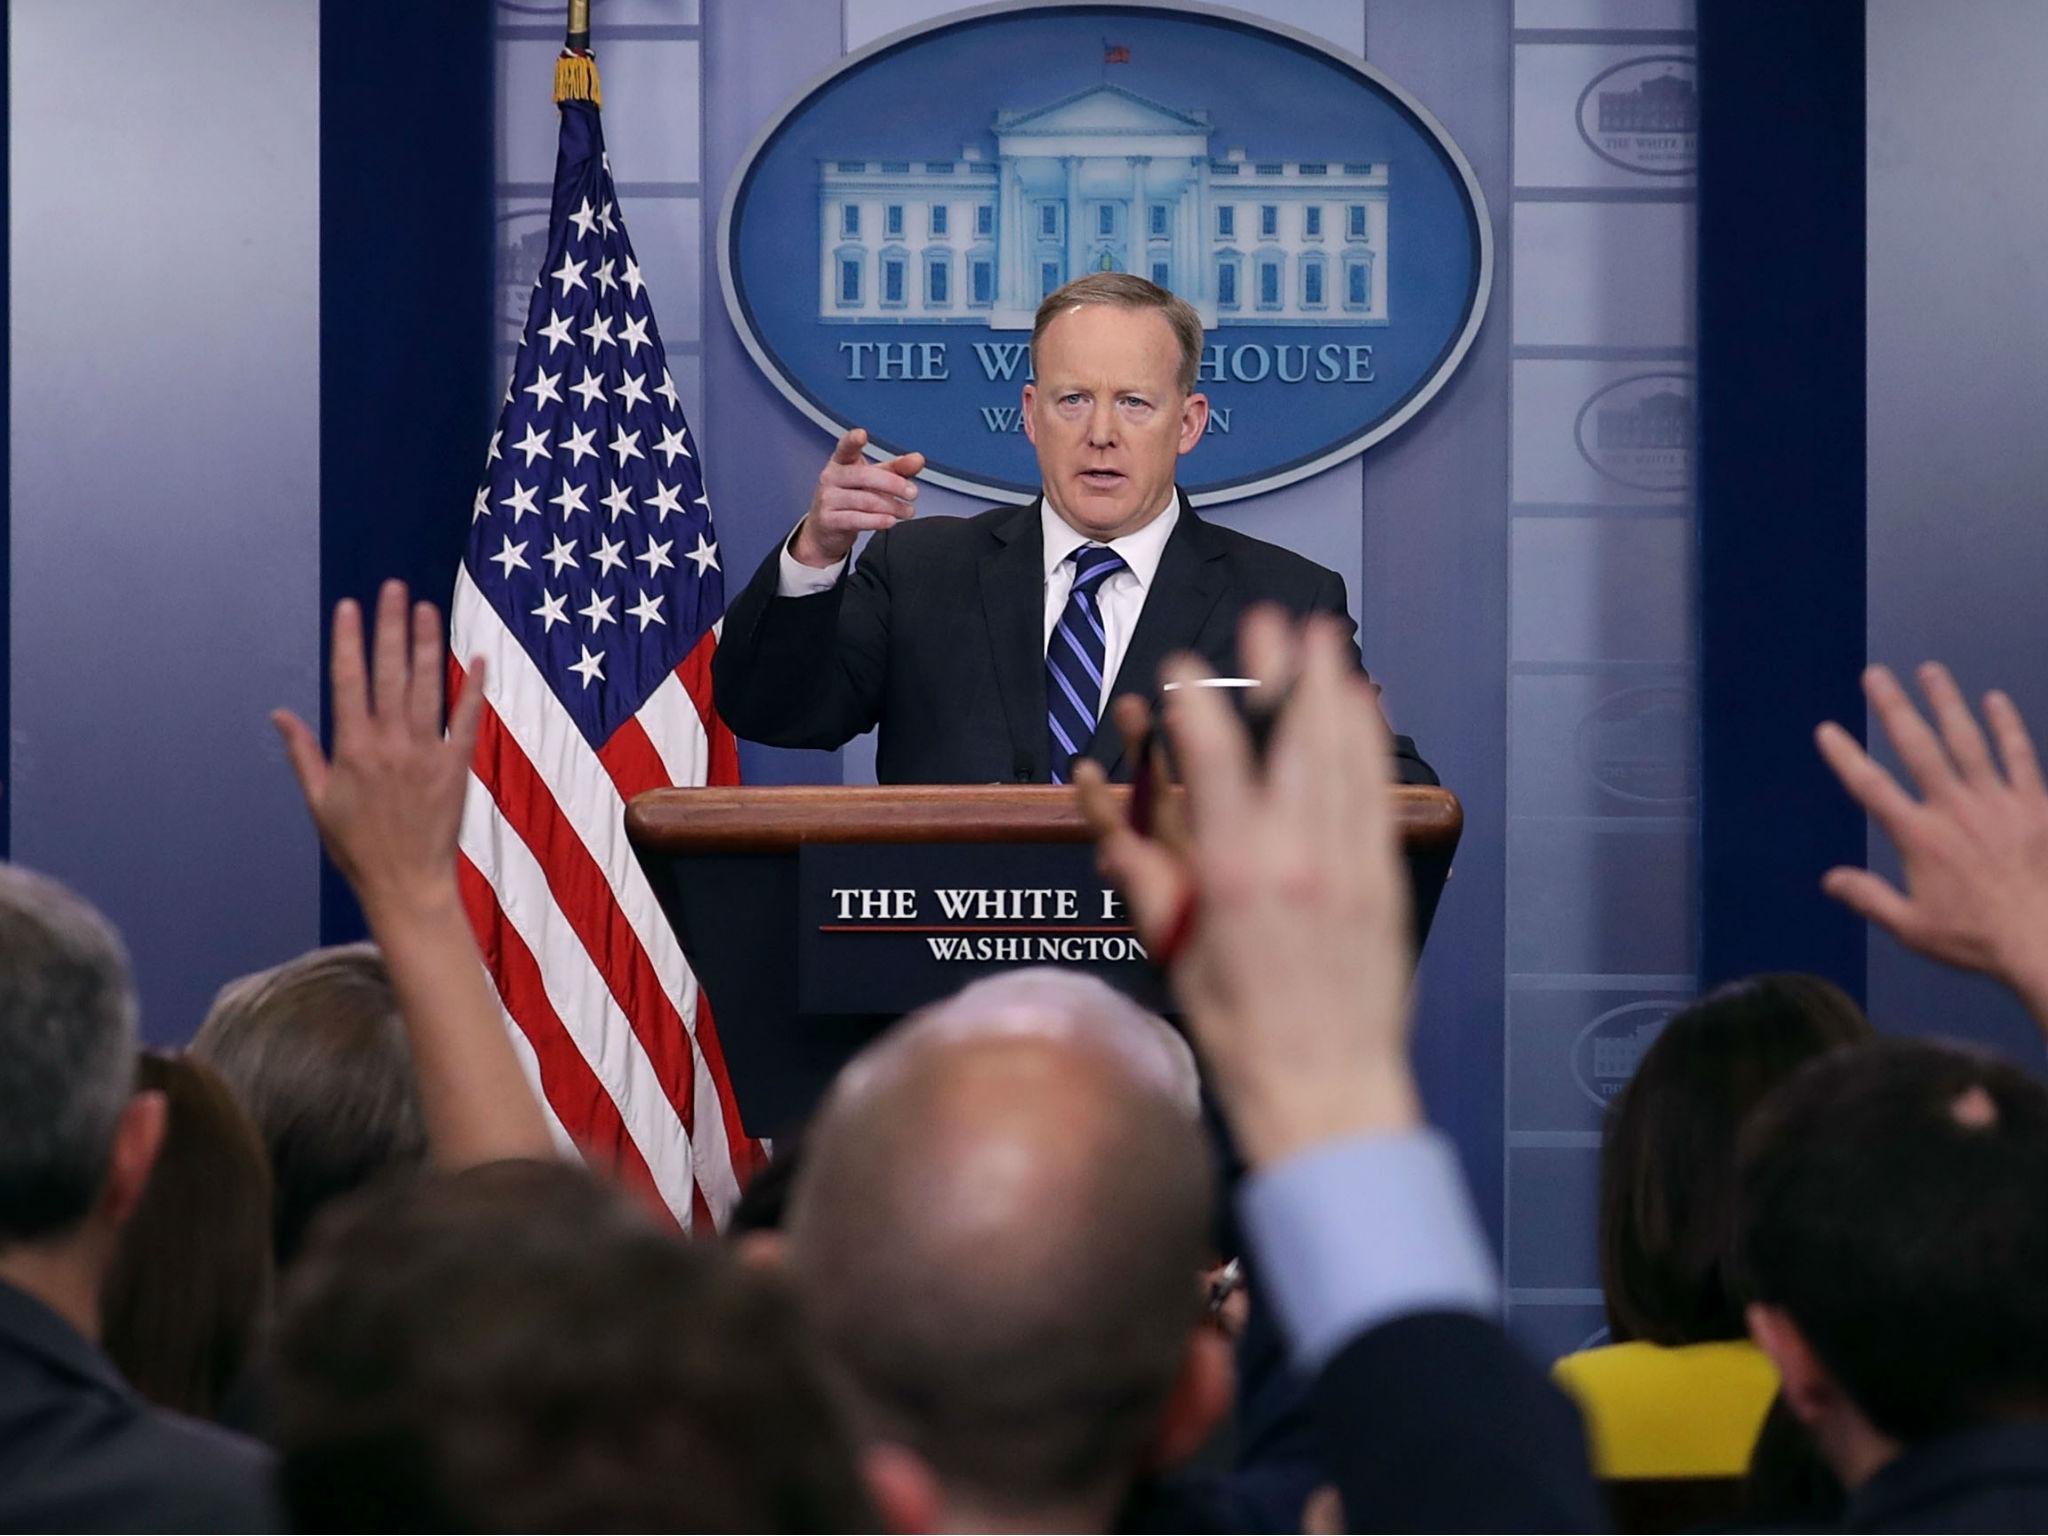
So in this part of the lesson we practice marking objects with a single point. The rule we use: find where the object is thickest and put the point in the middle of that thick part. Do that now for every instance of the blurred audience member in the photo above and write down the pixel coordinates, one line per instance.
(518, 1347)
(1893, 1232)
(80, 1449)
(315, 1051)
(1674, 1403)
(189, 1292)
(1276, 897)
(998, 1226)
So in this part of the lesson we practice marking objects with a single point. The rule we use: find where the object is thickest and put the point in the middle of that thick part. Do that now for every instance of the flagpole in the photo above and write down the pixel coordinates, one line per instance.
(576, 69)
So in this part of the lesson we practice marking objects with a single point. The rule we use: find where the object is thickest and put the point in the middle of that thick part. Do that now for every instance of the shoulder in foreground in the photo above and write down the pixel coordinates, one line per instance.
(946, 531)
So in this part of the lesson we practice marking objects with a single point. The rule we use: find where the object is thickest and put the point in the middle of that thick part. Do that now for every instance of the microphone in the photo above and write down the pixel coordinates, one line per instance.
(1020, 768)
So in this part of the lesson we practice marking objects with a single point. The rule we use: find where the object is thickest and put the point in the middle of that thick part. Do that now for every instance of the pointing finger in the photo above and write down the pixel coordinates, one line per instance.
(848, 448)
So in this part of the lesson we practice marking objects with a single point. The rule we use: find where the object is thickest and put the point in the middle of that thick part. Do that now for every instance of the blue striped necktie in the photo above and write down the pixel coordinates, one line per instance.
(1074, 683)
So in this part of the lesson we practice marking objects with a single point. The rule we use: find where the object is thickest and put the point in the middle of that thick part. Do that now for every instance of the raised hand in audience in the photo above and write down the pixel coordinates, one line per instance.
(1282, 893)
(1974, 845)
(389, 808)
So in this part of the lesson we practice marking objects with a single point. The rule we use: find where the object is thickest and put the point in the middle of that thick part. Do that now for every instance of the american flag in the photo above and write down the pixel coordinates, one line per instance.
(592, 586)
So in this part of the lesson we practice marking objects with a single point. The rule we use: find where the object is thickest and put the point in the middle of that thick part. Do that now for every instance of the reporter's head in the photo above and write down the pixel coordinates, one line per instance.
(76, 1139)
(315, 1051)
(1893, 1237)
(1667, 1158)
(519, 1347)
(998, 1228)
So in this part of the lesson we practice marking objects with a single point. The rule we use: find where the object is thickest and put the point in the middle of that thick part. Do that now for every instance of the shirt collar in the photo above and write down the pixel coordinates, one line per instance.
(1141, 551)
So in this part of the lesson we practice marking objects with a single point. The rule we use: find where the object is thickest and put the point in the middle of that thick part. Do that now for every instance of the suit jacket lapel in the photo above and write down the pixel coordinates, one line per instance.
(1191, 577)
(1013, 603)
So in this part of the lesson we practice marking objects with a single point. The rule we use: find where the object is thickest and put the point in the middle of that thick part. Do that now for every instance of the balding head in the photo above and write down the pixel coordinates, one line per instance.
(998, 1224)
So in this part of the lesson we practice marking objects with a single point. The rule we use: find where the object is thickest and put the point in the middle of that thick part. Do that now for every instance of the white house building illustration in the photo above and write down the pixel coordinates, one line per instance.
(1103, 180)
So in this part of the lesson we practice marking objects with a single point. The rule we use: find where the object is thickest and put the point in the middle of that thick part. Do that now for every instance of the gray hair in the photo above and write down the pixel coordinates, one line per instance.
(1046, 1003)
(67, 1053)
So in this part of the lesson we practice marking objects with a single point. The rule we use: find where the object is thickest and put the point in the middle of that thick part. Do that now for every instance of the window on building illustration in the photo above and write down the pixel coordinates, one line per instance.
(1226, 222)
(1049, 220)
(1048, 277)
(1162, 274)
(984, 281)
(1105, 219)
(849, 280)
(892, 282)
(1358, 285)
(849, 220)
(1269, 220)
(1357, 215)
(938, 218)
(1269, 285)
(985, 219)
(892, 220)
(938, 282)
(1226, 285)
(1157, 214)
(1312, 222)
(1312, 284)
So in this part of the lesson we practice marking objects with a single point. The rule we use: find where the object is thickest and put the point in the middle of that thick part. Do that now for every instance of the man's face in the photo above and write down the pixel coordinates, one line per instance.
(1108, 418)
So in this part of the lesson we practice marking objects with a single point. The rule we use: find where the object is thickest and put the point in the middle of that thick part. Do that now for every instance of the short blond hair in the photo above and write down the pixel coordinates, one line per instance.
(1127, 291)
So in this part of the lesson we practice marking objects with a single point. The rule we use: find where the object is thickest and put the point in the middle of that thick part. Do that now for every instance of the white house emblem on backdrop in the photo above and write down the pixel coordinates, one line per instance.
(1102, 180)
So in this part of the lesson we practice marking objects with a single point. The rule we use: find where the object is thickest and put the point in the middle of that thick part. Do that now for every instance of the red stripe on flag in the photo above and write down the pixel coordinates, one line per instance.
(578, 1098)
(723, 757)
(629, 757)
(635, 766)
(586, 899)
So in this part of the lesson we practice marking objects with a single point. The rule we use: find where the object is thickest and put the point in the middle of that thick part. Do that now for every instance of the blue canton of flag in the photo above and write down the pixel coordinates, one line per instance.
(592, 536)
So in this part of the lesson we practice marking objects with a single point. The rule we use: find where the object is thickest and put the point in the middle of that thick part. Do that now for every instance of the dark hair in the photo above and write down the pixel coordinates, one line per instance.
(518, 1347)
(316, 1052)
(67, 1054)
(189, 1289)
(1667, 1160)
(1894, 1203)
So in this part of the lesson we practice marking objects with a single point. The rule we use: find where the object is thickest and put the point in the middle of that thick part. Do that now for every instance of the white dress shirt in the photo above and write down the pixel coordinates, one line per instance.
(1120, 597)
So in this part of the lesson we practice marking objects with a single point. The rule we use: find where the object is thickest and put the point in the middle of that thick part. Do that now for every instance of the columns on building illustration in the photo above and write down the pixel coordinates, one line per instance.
(1070, 167)
(1138, 243)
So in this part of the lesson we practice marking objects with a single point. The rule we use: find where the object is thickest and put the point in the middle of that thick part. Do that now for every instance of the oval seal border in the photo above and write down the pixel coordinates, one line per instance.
(1438, 374)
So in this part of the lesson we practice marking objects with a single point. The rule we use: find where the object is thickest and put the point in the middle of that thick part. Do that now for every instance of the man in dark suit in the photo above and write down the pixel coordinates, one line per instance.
(79, 1448)
(1892, 1217)
(988, 648)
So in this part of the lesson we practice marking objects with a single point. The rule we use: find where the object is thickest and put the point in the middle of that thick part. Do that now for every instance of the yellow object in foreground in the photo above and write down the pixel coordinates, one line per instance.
(1689, 1411)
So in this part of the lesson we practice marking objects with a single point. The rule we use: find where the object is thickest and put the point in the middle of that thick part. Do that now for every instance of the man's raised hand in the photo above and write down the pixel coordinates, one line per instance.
(854, 496)
(1284, 890)
(1974, 846)
(389, 802)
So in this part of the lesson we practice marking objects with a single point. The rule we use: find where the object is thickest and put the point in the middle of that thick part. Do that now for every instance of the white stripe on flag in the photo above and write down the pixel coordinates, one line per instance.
(599, 1029)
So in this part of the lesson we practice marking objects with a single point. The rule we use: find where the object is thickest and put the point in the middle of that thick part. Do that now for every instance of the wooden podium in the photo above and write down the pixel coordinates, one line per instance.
(727, 866)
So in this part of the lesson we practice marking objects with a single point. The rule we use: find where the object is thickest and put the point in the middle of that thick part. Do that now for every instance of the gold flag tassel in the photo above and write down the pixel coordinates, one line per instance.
(576, 69)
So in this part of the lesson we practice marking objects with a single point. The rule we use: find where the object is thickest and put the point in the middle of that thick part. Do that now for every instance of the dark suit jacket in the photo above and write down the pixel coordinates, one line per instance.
(938, 635)
(1438, 1422)
(1993, 1479)
(81, 1451)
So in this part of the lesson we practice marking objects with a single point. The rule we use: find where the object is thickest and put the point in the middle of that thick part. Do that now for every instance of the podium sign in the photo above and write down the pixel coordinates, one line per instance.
(816, 915)
(887, 927)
